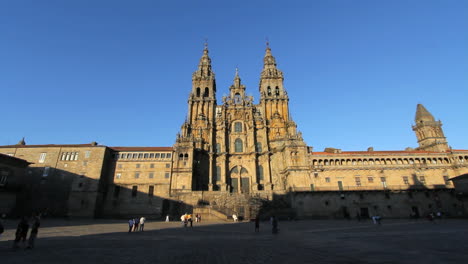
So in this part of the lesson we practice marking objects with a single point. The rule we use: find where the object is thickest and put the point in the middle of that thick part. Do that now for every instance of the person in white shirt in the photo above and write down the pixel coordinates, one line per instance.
(142, 223)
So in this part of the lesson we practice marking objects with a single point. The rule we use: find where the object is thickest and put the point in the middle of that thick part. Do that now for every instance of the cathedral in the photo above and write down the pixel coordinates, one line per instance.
(238, 157)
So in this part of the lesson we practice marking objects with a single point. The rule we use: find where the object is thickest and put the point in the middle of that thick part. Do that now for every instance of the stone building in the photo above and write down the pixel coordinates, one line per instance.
(231, 155)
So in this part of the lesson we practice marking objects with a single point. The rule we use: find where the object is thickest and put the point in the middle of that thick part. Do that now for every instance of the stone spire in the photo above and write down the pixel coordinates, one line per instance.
(422, 115)
(204, 70)
(21, 142)
(237, 80)
(269, 65)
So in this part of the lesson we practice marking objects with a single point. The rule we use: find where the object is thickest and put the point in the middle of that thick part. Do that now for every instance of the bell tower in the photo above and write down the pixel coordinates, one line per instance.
(428, 131)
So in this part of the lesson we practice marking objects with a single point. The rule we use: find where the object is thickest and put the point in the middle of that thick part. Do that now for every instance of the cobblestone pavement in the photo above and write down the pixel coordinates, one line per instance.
(314, 241)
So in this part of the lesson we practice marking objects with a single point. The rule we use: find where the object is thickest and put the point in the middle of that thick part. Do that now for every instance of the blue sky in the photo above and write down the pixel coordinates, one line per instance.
(119, 72)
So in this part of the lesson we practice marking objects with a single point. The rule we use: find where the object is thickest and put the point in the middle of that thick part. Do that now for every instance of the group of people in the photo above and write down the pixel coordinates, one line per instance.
(136, 224)
(273, 222)
(22, 230)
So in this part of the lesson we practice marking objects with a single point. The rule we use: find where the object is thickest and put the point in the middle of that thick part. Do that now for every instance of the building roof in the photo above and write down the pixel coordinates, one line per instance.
(13, 160)
(388, 152)
(53, 146)
(141, 148)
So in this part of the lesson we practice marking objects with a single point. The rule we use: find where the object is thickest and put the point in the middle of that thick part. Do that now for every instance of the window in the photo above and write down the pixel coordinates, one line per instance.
(134, 191)
(185, 156)
(405, 180)
(168, 165)
(138, 166)
(42, 157)
(46, 172)
(3, 177)
(163, 155)
(383, 179)
(151, 165)
(118, 175)
(237, 127)
(218, 173)
(168, 155)
(218, 148)
(69, 156)
(140, 155)
(260, 173)
(238, 145)
(358, 181)
(116, 191)
(146, 155)
(151, 156)
(150, 191)
(259, 146)
(137, 175)
(119, 166)
(422, 179)
(158, 155)
(166, 175)
(327, 179)
(87, 153)
(151, 175)
(370, 179)
(134, 156)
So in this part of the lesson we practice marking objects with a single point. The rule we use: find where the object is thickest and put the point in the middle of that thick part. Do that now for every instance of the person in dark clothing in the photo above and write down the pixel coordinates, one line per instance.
(136, 222)
(130, 225)
(274, 224)
(21, 232)
(34, 231)
(257, 224)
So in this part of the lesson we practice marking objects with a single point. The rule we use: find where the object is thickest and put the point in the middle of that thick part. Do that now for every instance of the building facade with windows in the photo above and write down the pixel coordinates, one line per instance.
(229, 153)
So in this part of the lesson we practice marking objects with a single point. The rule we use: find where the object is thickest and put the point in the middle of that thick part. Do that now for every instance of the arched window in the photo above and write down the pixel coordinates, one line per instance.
(218, 148)
(186, 156)
(207, 92)
(181, 156)
(238, 145)
(237, 127)
(269, 90)
(198, 91)
(260, 173)
(218, 173)
(277, 90)
(259, 146)
(237, 98)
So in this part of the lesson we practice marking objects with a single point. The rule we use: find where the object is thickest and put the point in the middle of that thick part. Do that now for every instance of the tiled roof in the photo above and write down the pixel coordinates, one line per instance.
(141, 148)
(400, 152)
(52, 146)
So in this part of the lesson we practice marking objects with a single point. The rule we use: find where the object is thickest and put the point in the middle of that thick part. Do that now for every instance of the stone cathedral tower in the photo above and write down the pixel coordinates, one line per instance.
(239, 146)
(428, 131)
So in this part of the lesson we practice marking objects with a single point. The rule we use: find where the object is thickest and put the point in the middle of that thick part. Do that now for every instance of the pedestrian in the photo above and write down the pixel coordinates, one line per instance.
(21, 232)
(190, 220)
(234, 217)
(257, 224)
(274, 224)
(167, 218)
(130, 225)
(34, 230)
(136, 221)
(142, 223)
(1, 228)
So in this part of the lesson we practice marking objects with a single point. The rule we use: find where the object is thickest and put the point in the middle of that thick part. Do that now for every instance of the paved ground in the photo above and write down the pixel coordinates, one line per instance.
(315, 241)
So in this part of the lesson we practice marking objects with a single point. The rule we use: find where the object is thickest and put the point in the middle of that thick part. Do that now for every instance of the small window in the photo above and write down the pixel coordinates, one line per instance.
(218, 148)
(166, 175)
(383, 179)
(146, 155)
(358, 181)
(168, 155)
(46, 172)
(42, 157)
(259, 146)
(238, 145)
(118, 175)
(422, 179)
(151, 155)
(446, 180)
(158, 155)
(168, 165)
(151, 175)
(218, 173)
(137, 175)
(135, 155)
(327, 179)
(370, 179)
(138, 165)
(119, 166)
(87, 153)
(405, 180)
(152, 165)
(134, 191)
(151, 191)
(140, 155)
(260, 173)
(237, 127)
(163, 155)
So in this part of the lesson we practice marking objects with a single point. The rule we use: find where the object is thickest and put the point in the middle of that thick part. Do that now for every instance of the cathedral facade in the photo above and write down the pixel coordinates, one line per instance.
(227, 154)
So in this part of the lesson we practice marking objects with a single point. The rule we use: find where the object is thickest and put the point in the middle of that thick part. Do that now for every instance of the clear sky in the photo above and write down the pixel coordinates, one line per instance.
(119, 72)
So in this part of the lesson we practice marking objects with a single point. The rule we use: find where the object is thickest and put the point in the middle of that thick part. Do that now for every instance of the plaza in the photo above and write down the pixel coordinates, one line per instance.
(307, 241)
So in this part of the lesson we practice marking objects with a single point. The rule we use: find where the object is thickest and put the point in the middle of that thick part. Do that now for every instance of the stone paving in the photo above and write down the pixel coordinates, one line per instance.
(312, 241)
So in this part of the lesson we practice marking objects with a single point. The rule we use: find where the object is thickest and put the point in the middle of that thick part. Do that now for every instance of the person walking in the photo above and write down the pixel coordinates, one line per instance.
(21, 232)
(136, 221)
(274, 224)
(34, 230)
(130, 225)
(142, 223)
(190, 220)
(167, 218)
(257, 224)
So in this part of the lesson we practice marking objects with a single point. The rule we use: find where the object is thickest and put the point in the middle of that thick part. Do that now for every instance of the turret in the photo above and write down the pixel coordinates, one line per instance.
(428, 131)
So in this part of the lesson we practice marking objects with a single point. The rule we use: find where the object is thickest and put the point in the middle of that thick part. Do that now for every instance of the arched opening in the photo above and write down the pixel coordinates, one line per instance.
(238, 145)
(207, 92)
(268, 90)
(277, 91)
(198, 91)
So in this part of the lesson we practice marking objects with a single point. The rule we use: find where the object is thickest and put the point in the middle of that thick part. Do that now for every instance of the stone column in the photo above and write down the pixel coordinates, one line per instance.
(210, 174)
